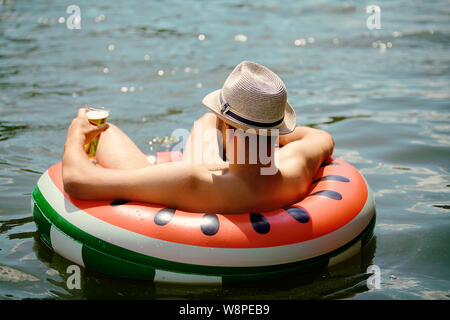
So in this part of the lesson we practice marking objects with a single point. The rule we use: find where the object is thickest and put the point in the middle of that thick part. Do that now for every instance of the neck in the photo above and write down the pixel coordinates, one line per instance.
(249, 154)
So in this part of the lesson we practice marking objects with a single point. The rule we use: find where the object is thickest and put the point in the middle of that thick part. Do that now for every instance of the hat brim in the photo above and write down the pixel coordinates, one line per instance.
(212, 102)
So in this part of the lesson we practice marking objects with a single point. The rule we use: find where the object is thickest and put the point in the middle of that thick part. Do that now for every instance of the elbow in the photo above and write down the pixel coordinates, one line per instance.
(328, 143)
(73, 186)
(192, 182)
(196, 196)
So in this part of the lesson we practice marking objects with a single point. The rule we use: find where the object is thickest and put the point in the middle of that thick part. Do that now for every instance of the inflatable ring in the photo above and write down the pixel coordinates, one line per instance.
(152, 242)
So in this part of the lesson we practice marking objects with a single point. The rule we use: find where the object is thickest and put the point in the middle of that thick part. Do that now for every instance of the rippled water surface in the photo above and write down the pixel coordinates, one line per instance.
(383, 94)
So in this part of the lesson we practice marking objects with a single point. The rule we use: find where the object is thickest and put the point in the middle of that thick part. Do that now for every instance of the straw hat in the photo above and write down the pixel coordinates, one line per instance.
(253, 97)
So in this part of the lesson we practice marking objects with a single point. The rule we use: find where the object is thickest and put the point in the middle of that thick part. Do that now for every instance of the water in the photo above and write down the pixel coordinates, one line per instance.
(382, 94)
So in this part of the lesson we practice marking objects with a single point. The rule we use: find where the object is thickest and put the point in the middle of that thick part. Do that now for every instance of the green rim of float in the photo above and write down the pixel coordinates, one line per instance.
(102, 256)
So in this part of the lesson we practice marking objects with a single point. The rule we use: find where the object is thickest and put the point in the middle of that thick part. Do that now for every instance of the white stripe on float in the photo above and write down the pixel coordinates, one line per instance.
(227, 257)
(66, 246)
(350, 252)
(168, 277)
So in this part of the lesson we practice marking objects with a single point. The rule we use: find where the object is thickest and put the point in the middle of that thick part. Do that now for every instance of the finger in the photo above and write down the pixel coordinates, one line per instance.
(82, 112)
(103, 127)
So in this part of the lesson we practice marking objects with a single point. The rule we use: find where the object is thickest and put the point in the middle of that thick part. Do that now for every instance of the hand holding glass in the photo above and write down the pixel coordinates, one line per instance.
(96, 116)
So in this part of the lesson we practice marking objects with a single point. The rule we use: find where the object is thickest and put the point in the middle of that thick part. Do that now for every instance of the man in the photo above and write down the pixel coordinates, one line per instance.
(233, 180)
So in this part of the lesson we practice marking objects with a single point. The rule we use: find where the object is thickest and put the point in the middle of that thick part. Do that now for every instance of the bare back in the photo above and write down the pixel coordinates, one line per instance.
(298, 161)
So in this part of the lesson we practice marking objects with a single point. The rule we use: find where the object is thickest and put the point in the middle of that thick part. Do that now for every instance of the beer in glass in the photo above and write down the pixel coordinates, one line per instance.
(96, 116)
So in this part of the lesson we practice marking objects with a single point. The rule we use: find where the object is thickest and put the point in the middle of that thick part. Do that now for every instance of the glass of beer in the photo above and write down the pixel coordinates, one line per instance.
(96, 116)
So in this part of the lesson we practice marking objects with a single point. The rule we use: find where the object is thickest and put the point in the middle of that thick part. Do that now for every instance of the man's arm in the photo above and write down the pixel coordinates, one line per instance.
(304, 150)
(168, 184)
(179, 185)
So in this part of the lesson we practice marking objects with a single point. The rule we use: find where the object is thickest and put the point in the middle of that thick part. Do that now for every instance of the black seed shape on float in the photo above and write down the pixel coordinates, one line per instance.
(164, 216)
(333, 177)
(259, 223)
(328, 193)
(299, 214)
(210, 224)
(118, 202)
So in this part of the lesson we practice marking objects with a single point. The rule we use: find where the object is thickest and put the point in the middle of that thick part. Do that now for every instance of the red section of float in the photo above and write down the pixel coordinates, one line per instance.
(236, 230)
